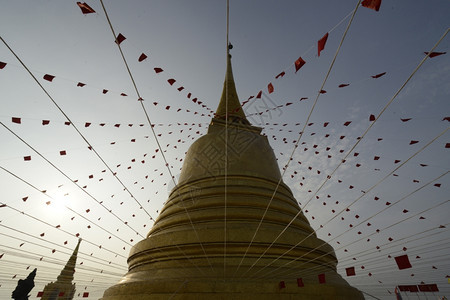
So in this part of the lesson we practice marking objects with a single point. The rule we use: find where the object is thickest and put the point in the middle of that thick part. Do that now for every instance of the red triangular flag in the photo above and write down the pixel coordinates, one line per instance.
(299, 63)
(270, 88)
(372, 118)
(378, 75)
(350, 271)
(343, 85)
(300, 282)
(403, 262)
(120, 38)
(171, 81)
(49, 77)
(321, 278)
(85, 8)
(80, 84)
(158, 70)
(2, 65)
(434, 54)
(45, 122)
(259, 95)
(16, 120)
(276, 77)
(142, 57)
(321, 43)
(372, 4)
(413, 142)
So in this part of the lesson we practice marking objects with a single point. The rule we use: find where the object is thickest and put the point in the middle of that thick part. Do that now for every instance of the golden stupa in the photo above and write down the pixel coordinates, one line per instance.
(198, 247)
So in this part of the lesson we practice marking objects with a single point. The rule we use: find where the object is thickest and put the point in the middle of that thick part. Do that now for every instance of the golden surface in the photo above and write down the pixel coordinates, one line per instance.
(198, 246)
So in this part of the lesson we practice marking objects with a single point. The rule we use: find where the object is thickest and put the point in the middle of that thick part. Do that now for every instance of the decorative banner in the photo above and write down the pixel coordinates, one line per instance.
(85, 8)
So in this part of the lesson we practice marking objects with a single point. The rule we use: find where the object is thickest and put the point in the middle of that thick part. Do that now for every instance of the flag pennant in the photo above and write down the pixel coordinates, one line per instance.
(120, 38)
(45, 122)
(372, 4)
(26, 158)
(432, 54)
(321, 43)
(80, 84)
(49, 77)
(158, 70)
(282, 285)
(276, 77)
(85, 8)
(39, 294)
(270, 88)
(259, 95)
(350, 271)
(300, 282)
(321, 278)
(85, 294)
(171, 81)
(403, 262)
(16, 120)
(378, 75)
(299, 63)
(142, 57)
(343, 85)
(2, 65)
(372, 118)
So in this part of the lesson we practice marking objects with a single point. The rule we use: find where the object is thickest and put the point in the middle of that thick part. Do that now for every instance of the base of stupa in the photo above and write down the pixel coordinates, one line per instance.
(134, 288)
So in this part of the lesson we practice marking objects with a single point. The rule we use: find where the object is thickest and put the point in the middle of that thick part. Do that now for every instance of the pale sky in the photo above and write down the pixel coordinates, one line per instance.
(187, 39)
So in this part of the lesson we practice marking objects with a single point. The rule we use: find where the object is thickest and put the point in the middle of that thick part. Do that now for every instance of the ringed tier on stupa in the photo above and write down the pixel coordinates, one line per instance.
(231, 228)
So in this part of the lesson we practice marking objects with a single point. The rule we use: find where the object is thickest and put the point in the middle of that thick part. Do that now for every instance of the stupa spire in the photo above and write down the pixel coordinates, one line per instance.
(66, 274)
(63, 288)
(229, 101)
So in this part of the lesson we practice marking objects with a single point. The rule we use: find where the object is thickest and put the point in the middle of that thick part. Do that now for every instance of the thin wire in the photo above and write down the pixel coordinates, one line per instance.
(363, 238)
(381, 112)
(153, 131)
(99, 202)
(357, 199)
(67, 207)
(296, 144)
(67, 177)
(59, 228)
(74, 126)
(117, 266)
(139, 95)
(312, 46)
(354, 146)
(226, 147)
(390, 245)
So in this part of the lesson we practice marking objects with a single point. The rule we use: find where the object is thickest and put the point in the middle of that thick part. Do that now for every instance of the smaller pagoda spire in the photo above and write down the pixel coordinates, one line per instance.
(232, 107)
(69, 269)
(63, 288)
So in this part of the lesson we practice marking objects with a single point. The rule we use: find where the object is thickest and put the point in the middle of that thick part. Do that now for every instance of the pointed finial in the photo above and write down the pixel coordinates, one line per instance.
(230, 107)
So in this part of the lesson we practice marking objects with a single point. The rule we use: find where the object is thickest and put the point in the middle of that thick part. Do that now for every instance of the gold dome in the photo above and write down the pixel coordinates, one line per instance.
(199, 248)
